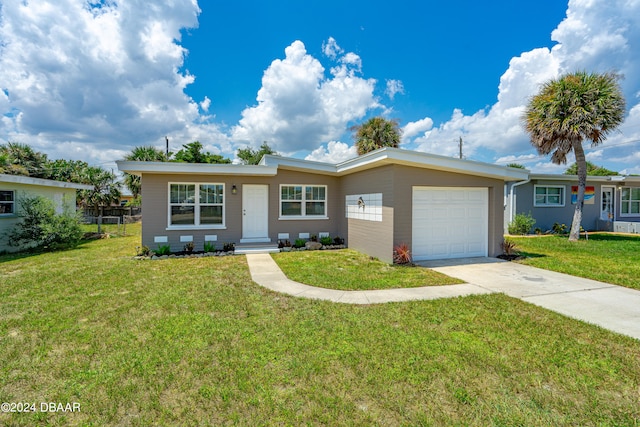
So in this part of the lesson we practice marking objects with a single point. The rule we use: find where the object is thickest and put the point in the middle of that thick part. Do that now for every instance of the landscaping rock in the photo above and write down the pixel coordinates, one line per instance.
(313, 246)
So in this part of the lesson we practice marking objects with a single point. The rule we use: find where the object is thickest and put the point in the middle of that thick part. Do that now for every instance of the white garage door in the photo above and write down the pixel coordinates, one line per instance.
(449, 222)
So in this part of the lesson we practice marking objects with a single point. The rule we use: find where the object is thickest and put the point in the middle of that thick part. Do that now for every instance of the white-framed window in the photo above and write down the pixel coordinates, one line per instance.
(630, 201)
(548, 195)
(196, 205)
(303, 201)
(7, 202)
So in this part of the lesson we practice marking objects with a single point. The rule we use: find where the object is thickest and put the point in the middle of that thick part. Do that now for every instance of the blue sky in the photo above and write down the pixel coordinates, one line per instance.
(91, 80)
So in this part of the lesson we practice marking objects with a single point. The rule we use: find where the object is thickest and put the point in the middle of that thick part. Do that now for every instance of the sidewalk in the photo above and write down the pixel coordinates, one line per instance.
(612, 307)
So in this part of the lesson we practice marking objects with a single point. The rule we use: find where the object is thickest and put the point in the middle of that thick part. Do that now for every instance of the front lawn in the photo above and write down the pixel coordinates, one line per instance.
(347, 269)
(607, 257)
(196, 342)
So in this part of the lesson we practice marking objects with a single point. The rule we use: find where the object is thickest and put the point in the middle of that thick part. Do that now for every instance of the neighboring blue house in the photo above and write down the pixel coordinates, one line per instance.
(612, 203)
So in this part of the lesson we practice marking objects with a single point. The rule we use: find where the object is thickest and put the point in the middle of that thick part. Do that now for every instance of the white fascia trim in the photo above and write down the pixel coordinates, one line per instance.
(613, 180)
(291, 163)
(27, 180)
(390, 155)
(138, 168)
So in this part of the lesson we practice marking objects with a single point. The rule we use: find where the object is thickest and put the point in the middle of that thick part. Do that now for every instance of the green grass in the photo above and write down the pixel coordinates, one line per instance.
(347, 269)
(609, 258)
(196, 342)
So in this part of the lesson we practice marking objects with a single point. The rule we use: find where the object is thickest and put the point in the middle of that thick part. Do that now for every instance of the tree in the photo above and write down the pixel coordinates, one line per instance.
(67, 170)
(376, 133)
(145, 153)
(592, 170)
(250, 156)
(20, 159)
(575, 107)
(516, 165)
(192, 153)
(106, 190)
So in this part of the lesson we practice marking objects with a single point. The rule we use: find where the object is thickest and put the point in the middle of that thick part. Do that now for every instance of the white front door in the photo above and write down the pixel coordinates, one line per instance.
(255, 213)
(606, 204)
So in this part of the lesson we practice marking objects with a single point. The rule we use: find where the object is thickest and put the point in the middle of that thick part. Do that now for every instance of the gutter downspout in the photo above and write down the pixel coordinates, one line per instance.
(512, 200)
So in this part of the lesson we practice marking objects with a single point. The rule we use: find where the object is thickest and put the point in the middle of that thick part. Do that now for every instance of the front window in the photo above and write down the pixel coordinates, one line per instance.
(630, 201)
(303, 200)
(7, 202)
(196, 204)
(549, 195)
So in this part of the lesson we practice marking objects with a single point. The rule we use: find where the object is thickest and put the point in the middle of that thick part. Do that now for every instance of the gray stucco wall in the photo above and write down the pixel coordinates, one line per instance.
(155, 192)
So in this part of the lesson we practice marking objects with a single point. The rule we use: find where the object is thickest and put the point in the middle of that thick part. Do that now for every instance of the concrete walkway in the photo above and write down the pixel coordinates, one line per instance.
(612, 307)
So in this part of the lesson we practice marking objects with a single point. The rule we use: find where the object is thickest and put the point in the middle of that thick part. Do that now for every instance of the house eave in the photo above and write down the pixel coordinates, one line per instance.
(27, 180)
(138, 168)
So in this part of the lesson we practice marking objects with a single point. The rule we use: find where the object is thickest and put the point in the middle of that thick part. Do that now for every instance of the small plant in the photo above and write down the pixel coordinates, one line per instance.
(188, 247)
(338, 240)
(521, 224)
(538, 231)
(299, 243)
(163, 250)
(402, 254)
(229, 247)
(509, 247)
(326, 241)
(209, 247)
(313, 238)
(559, 228)
(142, 250)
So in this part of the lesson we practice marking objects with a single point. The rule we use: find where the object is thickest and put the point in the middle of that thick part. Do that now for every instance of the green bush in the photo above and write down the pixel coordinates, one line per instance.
(163, 250)
(326, 240)
(42, 228)
(209, 246)
(521, 224)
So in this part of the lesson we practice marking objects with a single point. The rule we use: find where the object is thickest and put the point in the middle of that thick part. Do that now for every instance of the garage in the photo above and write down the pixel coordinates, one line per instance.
(449, 222)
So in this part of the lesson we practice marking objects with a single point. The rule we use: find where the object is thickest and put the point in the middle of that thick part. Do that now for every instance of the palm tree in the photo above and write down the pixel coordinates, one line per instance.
(145, 153)
(106, 190)
(576, 107)
(21, 159)
(376, 133)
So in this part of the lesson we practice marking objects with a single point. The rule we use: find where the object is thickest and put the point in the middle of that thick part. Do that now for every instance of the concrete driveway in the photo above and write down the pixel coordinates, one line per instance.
(612, 307)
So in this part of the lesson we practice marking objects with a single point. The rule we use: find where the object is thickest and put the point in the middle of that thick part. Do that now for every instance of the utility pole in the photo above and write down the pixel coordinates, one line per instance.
(460, 146)
(166, 139)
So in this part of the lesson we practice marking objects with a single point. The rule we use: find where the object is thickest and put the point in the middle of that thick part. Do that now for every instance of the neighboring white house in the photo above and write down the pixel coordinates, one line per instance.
(13, 187)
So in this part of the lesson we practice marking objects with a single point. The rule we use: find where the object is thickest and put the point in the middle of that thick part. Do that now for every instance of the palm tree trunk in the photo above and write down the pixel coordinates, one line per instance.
(581, 162)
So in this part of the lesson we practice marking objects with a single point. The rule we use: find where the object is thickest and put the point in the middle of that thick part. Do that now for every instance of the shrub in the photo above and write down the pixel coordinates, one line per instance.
(509, 247)
(41, 227)
(559, 228)
(521, 224)
(209, 247)
(299, 243)
(326, 241)
(142, 250)
(188, 247)
(229, 247)
(338, 240)
(402, 254)
(163, 250)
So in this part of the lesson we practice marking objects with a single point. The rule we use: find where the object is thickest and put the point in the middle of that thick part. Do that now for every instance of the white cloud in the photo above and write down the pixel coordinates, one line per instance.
(393, 88)
(299, 108)
(205, 104)
(334, 152)
(331, 49)
(597, 35)
(93, 75)
(412, 129)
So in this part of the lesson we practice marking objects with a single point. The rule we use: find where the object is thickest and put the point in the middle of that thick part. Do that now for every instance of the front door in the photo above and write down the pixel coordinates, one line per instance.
(606, 207)
(255, 213)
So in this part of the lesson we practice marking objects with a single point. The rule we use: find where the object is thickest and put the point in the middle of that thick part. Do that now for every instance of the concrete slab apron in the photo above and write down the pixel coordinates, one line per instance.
(612, 307)
(266, 273)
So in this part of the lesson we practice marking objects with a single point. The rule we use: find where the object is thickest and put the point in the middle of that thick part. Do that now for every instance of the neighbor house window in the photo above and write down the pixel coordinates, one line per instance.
(549, 195)
(303, 201)
(196, 204)
(630, 201)
(7, 202)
